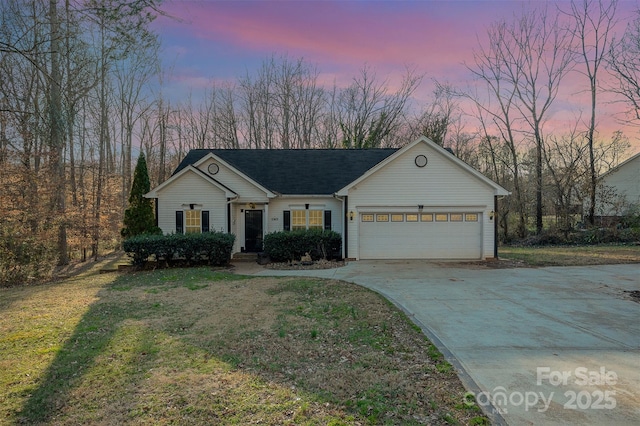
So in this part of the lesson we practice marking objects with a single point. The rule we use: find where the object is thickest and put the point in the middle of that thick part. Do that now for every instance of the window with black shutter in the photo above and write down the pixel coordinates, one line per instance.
(327, 220)
(286, 222)
(179, 222)
(205, 220)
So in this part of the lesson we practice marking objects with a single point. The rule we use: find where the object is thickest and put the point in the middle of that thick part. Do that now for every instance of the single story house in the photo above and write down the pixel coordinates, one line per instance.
(618, 191)
(416, 202)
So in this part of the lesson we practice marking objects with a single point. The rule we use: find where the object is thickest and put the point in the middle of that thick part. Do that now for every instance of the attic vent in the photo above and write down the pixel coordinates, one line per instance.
(213, 168)
(421, 161)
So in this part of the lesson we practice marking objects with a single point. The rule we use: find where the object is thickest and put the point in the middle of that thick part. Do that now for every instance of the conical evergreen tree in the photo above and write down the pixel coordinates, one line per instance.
(139, 217)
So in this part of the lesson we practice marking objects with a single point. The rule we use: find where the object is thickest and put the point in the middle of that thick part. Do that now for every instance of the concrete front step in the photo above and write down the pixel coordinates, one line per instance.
(244, 257)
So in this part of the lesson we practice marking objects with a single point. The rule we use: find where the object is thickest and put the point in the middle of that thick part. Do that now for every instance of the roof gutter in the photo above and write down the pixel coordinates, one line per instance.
(307, 196)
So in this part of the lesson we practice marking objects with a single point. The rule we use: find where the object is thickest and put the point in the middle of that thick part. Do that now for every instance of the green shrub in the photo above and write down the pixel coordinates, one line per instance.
(213, 247)
(632, 217)
(292, 245)
(589, 236)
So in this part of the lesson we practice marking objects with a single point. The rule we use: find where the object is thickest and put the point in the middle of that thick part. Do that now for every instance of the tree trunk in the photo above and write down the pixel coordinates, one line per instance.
(57, 137)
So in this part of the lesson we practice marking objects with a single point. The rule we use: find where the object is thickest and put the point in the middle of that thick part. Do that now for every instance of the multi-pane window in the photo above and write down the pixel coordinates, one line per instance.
(298, 219)
(192, 222)
(315, 219)
(307, 219)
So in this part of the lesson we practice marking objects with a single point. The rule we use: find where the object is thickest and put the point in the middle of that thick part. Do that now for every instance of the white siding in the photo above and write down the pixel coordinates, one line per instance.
(441, 185)
(625, 181)
(273, 214)
(278, 205)
(191, 189)
(247, 191)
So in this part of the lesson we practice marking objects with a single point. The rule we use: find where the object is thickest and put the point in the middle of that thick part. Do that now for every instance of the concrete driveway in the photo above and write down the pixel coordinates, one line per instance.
(537, 346)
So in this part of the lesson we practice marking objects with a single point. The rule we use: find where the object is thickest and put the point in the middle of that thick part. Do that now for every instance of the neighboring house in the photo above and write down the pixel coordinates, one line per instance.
(416, 202)
(618, 191)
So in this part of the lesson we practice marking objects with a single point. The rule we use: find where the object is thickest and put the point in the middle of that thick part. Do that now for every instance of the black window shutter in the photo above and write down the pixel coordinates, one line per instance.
(286, 225)
(205, 220)
(327, 220)
(179, 222)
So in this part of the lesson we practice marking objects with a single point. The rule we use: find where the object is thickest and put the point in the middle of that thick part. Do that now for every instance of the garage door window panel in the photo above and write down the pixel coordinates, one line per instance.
(397, 218)
(426, 217)
(382, 218)
(471, 217)
(412, 217)
(442, 217)
(367, 218)
(456, 217)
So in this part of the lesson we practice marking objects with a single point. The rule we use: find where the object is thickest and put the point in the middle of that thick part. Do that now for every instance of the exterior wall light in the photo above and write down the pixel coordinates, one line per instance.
(351, 215)
(491, 214)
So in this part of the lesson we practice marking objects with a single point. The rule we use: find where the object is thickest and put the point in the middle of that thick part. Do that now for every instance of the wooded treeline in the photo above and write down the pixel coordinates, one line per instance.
(82, 93)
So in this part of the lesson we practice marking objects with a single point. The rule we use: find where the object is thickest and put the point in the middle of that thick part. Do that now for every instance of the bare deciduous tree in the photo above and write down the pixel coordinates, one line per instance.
(592, 27)
(369, 111)
(624, 61)
(495, 106)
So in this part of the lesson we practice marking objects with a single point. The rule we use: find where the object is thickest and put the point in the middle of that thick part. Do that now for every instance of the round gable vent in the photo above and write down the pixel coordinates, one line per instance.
(213, 168)
(421, 160)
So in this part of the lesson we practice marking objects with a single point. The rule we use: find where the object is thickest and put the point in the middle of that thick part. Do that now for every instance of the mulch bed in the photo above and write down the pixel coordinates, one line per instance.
(319, 264)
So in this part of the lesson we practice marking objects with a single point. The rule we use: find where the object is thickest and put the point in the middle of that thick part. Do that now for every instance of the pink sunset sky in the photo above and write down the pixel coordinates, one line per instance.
(223, 40)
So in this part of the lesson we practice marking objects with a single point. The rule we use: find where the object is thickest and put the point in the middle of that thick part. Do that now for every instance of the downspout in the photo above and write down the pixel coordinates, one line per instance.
(343, 200)
(495, 227)
(346, 226)
(229, 200)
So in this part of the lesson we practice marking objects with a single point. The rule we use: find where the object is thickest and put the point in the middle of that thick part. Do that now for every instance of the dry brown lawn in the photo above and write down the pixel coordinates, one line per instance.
(196, 346)
(572, 255)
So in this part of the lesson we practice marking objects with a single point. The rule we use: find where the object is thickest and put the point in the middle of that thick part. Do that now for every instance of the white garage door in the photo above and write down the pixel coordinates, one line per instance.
(389, 235)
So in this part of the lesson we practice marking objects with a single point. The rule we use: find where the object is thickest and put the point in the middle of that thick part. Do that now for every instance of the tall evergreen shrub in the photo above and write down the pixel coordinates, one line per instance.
(139, 217)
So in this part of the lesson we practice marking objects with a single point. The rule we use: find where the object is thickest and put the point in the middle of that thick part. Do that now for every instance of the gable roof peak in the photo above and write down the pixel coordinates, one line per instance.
(296, 171)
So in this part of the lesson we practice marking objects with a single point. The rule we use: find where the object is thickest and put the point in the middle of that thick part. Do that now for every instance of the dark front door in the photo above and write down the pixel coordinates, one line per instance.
(253, 230)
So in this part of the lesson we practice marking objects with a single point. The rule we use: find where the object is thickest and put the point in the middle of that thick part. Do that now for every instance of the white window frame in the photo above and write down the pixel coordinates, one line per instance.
(193, 227)
(297, 226)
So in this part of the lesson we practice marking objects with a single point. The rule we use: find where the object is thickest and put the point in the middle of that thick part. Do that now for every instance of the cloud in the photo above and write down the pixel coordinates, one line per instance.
(223, 40)
(426, 34)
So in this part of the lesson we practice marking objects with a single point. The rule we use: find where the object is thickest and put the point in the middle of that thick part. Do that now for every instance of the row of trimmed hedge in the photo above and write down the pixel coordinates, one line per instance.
(292, 245)
(213, 247)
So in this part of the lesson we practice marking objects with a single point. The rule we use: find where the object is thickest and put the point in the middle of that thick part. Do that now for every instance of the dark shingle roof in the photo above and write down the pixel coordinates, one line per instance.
(297, 171)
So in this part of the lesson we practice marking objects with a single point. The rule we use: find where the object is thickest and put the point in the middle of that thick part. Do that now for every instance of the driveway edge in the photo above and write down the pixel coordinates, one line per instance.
(488, 409)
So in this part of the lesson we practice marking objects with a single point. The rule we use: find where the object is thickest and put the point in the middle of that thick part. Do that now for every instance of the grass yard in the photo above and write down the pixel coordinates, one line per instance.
(194, 346)
(572, 255)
